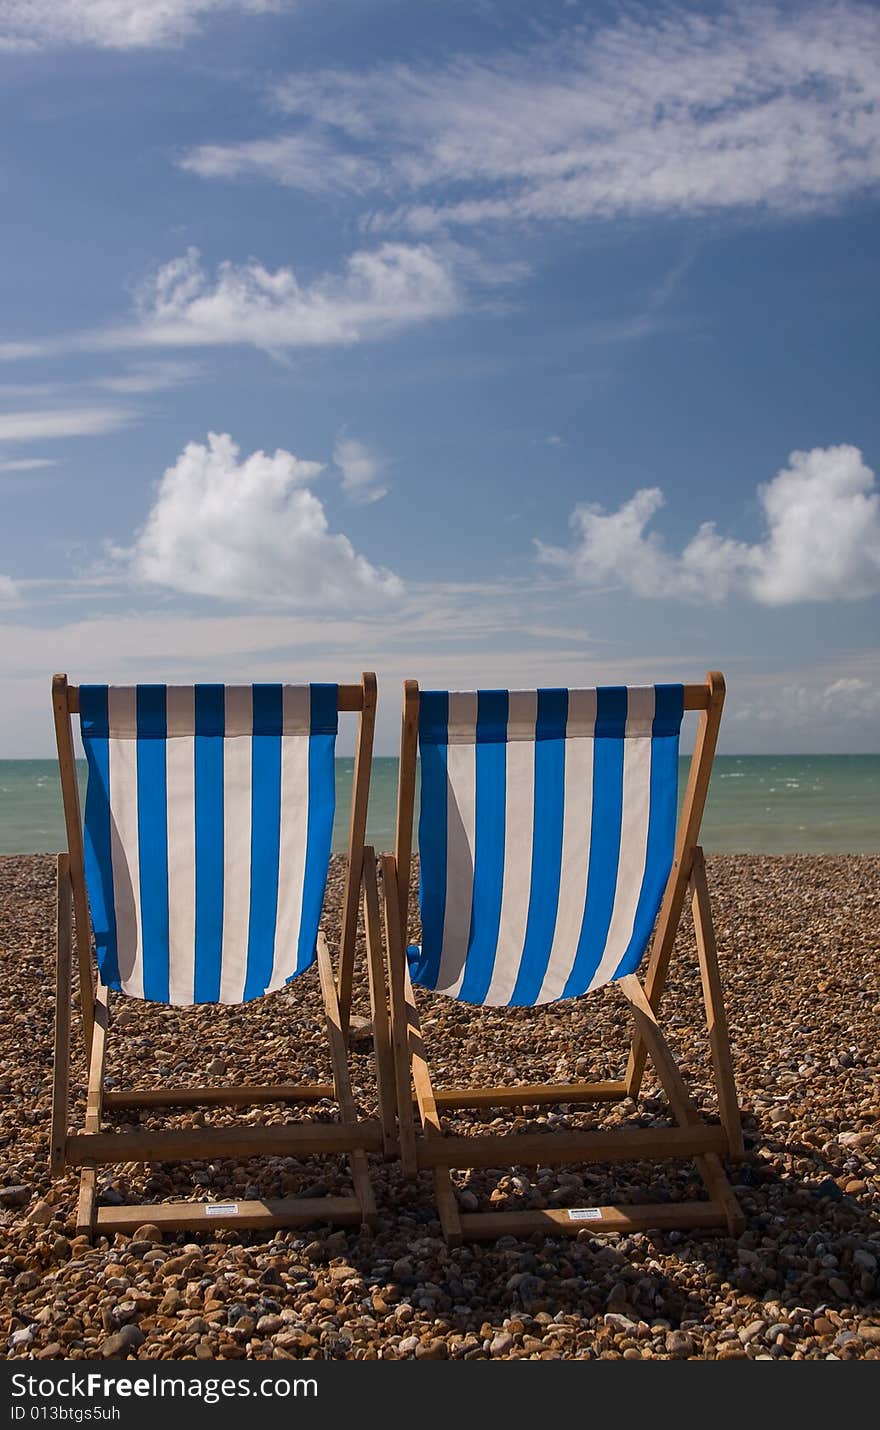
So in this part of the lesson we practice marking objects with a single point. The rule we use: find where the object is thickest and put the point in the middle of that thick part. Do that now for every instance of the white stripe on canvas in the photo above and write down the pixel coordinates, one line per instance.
(461, 833)
(577, 819)
(633, 830)
(293, 838)
(181, 822)
(296, 710)
(124, 851)
(237, 764)
(519, 832)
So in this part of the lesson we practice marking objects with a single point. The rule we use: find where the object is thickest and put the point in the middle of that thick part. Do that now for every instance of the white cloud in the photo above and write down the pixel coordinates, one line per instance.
(300, 161)
(110, 24)
(8, 591)
(849, 700)
(249, 530)
(822, 541)
(669, 110)
(360, 471)
(50, 423)
(26, 464)
(148, 377)
(379, 292)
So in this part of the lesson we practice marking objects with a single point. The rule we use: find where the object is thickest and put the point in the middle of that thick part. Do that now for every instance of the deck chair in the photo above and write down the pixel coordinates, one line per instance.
(201, 870)
(548, 847)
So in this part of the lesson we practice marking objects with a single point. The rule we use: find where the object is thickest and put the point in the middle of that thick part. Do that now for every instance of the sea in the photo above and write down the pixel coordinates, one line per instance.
(758, 804)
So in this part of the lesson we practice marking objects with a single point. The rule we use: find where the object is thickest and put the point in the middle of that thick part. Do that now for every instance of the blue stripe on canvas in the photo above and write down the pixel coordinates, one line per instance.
(152, 819)
(668, 712)
(265, 836)
(319, 832)
(324, 718)
(491, 791)
(95, 729)
(605, 836)
(210, 702)
(546, 844)
(433, 737)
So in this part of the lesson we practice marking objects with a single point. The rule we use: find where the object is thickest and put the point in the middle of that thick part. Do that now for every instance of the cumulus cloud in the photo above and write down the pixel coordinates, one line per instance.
(379, 292)
(8, 591)
(46, 424)
(249, 530)
(360, 471)
(821, 541)
(111, 24)
(668, 110)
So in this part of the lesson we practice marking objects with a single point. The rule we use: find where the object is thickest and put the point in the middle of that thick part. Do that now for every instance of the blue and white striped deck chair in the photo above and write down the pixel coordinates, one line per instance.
(201, 871)
(549, 849)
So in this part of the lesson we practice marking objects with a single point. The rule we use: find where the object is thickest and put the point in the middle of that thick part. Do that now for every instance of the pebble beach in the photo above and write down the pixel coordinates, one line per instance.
(799, 944)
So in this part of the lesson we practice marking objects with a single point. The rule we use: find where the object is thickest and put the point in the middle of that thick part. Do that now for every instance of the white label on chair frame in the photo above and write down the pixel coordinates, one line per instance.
(584, 1214)
(221, 1209)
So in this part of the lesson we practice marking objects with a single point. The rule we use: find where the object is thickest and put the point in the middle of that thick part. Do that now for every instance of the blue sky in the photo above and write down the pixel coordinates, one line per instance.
(489, 343)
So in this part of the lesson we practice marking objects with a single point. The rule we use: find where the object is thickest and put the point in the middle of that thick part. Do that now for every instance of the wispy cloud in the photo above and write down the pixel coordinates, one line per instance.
(148, 377)
(54, 422)
(668, 111)
(26, 464)
(112, 24)
(378, 293)
(361, 470)
(249, 530)
(821, 543)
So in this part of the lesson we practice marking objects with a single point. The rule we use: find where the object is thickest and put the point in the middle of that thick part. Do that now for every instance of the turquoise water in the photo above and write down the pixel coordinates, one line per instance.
(758, 804)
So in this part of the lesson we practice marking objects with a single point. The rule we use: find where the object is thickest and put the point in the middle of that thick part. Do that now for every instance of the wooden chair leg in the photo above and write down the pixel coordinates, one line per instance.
(61, 1069)
(683, 1107)
(713, 998)
(379, 1006)
(86, 1213)
(347, 1111)
(396, 954)
(447, 1203)
(676, 889)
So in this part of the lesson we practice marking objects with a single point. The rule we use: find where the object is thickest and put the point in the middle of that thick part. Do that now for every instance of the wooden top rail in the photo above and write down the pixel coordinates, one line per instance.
(350, 697)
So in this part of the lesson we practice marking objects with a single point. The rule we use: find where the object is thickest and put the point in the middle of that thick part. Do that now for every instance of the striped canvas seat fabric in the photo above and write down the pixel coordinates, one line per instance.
(546, 837)
(209, 816)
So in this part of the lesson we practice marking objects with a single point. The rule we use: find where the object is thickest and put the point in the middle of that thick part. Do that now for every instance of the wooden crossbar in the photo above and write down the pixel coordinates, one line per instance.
(214, 1096)
(179, 1144)
(537, 1094)
(246, 1216)
(349, 698)
(556, 1221)
(554, 1149)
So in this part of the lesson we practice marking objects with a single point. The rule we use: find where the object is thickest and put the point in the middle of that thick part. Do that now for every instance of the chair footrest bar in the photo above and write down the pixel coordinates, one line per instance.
(245, 1216)
(553, 1148)
(536, 1094)
(659, 1216)
(203, 1144)
(218, 1096)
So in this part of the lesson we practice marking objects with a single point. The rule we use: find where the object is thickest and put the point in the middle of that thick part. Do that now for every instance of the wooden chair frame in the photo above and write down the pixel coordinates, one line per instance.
(691, 1137)
(93, 1146)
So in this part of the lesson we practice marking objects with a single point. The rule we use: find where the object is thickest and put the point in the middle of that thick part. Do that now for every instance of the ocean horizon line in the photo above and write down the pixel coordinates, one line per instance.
(758, 804)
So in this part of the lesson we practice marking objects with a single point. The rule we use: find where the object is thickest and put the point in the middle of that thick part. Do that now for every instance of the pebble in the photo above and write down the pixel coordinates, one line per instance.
(129, 1338)
(15, 1196)
(679, 1343)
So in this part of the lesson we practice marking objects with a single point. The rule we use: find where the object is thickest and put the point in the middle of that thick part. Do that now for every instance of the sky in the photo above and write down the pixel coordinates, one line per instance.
(491, 343)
